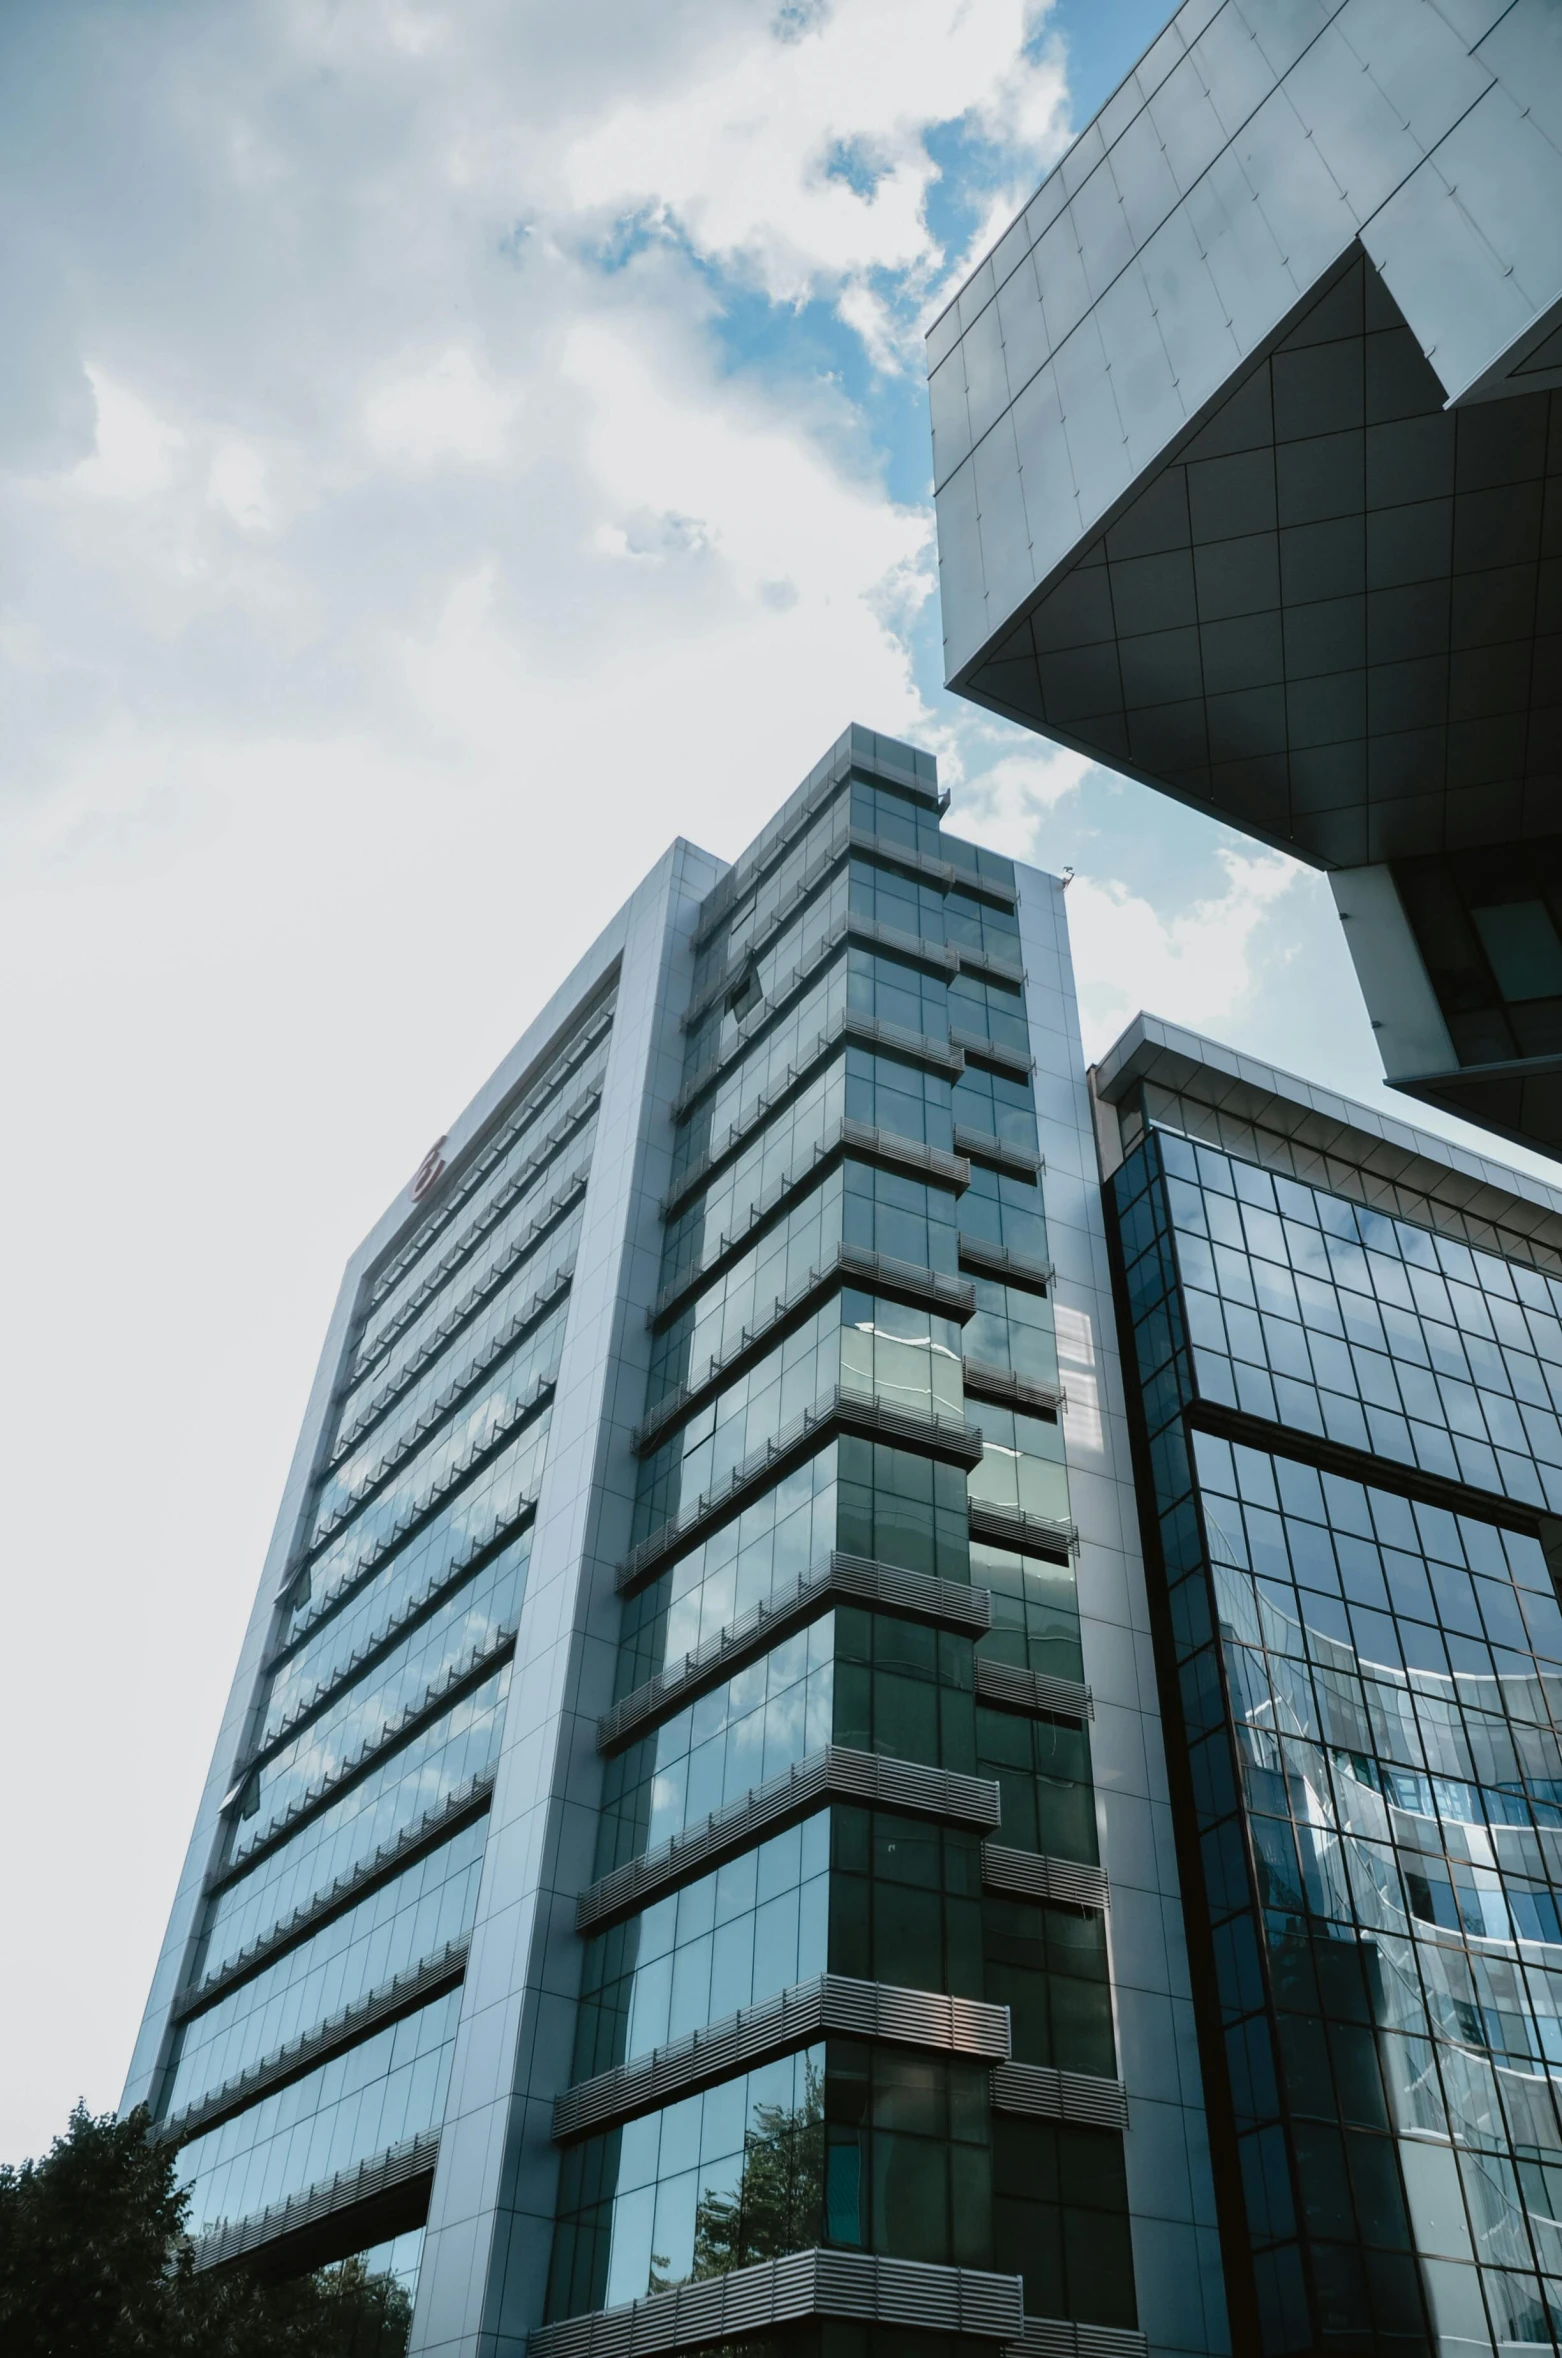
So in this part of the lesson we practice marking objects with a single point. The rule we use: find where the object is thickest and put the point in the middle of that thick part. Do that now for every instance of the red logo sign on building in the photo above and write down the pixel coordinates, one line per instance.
(428, 1170)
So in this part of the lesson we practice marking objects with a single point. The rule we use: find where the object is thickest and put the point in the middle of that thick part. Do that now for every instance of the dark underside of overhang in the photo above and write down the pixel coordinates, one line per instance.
(1333, 616)
(1521, 1101)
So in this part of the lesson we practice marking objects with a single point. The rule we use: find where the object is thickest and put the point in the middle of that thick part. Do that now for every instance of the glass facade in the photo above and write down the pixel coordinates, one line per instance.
(310, 2061)
(1349, 1429)
(747, 1776)
(855, 1162)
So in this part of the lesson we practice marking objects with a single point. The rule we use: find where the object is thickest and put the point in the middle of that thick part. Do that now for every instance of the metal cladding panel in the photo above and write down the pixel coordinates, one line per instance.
(839, 1410)
(1037, 2092)
(413, 2159)
(950, 1604)
(1177, 2269)
(1174, 299)
(805, 2284)
(775, 2026)
(1032, 1690)
(1034, 1875)
(837, 1770)
(1057, 2337)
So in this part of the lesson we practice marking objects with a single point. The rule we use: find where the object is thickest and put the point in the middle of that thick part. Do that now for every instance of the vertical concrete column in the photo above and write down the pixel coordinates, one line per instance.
(490, 2223)
(1177, 2265)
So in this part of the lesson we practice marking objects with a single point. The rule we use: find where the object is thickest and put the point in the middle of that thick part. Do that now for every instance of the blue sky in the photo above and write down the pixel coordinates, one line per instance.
(447, 448)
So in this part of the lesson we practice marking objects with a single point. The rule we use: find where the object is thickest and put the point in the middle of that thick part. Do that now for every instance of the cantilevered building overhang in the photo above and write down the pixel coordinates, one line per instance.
(1248, 448)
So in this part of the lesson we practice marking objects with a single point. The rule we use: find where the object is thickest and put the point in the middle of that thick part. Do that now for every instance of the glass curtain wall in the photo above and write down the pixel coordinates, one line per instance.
(312, 2050)
(1350, 1426)
(852, 1360)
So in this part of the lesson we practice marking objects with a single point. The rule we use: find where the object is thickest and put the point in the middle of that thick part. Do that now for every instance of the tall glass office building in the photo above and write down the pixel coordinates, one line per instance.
(906, 1703)
(1346, 1344)
(688, 1860)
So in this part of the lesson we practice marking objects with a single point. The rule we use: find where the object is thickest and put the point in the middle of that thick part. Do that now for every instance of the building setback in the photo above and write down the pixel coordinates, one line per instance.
(688, 1856)
(1248, 446)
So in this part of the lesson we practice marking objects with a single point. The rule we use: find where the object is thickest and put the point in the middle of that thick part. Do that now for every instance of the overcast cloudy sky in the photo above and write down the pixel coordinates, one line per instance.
(447, 448)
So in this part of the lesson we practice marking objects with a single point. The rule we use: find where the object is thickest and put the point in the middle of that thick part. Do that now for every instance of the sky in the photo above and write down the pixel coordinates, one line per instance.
(446, 451)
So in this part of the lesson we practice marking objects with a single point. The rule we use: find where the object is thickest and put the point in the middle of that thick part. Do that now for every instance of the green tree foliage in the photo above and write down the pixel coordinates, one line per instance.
(779, 2197)
(95, 2263)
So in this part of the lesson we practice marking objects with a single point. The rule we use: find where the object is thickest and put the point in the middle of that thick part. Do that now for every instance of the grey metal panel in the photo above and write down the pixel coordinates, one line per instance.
(1274, 131)
(1037, 2092)
(1178, 2274)
(837, 1769)
(778, 2025)
(1186, 122)
(1092, 426)
(1063, 289)
(1146, 186)
(1412, 1036)
(1006, 546)
(951, 415)
(1052, 510)
(1033, 1875)
(1022, 319)
(1144, 382)
(962, 582)
(805, 2284)
(986, 378)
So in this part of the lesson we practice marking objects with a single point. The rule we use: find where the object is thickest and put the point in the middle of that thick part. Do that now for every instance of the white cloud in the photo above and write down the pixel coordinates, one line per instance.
(394, 536)
(448, 409)
(804, 161)
(1011, 795)
(428, 571)
(727, 472)
(1198, 965)
(135, 450)
(238, 488)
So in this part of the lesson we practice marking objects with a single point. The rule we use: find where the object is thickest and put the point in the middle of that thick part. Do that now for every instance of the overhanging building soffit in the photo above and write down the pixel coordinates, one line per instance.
(1243, 436)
